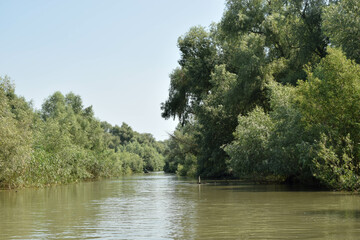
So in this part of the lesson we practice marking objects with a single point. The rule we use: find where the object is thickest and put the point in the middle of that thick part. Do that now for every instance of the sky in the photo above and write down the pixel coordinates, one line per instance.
(117, 55)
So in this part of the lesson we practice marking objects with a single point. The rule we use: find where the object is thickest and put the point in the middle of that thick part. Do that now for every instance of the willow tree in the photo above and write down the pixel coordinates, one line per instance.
(15, 136)
(223, 72)
(329, 102)
(342, 24)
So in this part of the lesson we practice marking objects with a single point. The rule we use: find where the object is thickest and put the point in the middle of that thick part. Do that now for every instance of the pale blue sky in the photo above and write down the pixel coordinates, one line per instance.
(117, 55)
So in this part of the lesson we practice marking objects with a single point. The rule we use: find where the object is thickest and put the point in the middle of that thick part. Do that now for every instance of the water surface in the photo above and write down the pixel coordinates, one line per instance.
(161, 206)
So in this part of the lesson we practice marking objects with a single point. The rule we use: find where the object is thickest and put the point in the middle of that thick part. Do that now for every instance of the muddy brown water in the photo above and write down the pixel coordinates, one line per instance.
(161, 206)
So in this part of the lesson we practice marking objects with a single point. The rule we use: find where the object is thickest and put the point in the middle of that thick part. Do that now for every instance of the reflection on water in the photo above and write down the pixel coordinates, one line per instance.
(160, 206)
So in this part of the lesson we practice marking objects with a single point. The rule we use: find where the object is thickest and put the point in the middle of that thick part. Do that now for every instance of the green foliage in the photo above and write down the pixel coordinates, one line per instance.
(274, 143)
(290, 32)
(124, 139)
(180, 157)
(64, 142)
(191, 82)
(329, 99)
(216, 120)
(153, 160)
(15, 136)
(235, 94)
(342, 24)
(249, 151)
(238, 117)
(224, 72)
(335, 165)
(329, 102)
(288, 144)
(124, 133)
(311, 132)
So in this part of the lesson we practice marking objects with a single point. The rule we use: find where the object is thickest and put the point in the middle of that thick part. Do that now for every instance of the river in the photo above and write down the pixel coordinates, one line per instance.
(160, 206)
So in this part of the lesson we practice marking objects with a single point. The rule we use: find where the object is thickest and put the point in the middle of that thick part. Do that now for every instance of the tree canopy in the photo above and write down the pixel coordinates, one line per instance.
(64, 142)
(264, 90)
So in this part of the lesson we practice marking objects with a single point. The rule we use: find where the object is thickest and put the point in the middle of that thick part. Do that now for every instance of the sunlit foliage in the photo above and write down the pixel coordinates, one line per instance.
(63, 142)
(266, 94)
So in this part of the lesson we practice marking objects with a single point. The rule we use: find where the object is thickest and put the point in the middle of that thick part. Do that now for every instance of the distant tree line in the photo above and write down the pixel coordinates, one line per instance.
(63, 142)
(272, 91)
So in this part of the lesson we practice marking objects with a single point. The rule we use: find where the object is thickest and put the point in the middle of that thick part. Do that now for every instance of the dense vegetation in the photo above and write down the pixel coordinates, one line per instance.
(271, 91)
(63, 142)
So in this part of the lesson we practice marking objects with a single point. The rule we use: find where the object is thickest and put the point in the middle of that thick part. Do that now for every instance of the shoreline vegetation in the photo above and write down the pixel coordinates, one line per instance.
(270, 91)
(63, 142)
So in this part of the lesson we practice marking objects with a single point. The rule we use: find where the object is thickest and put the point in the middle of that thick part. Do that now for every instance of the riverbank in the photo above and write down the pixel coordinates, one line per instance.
(64, 142)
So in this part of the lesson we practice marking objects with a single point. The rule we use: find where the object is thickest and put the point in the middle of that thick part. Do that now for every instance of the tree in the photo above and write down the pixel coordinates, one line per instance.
(74, 101)
(329, 102)
(180, 157)
(274, 143)
(342, 24)
(53, 106)
(190, 83)
(249, 151)
(124, 133)
(290, 29)
(15, 136)
(224, 72)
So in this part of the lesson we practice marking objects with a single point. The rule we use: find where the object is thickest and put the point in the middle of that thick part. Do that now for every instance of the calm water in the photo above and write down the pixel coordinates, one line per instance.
(160, 206)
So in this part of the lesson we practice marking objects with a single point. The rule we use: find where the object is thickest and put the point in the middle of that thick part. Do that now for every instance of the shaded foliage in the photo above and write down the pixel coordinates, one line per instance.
(180, 156)
(311, 132)
(224, 71)
(266, 95)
